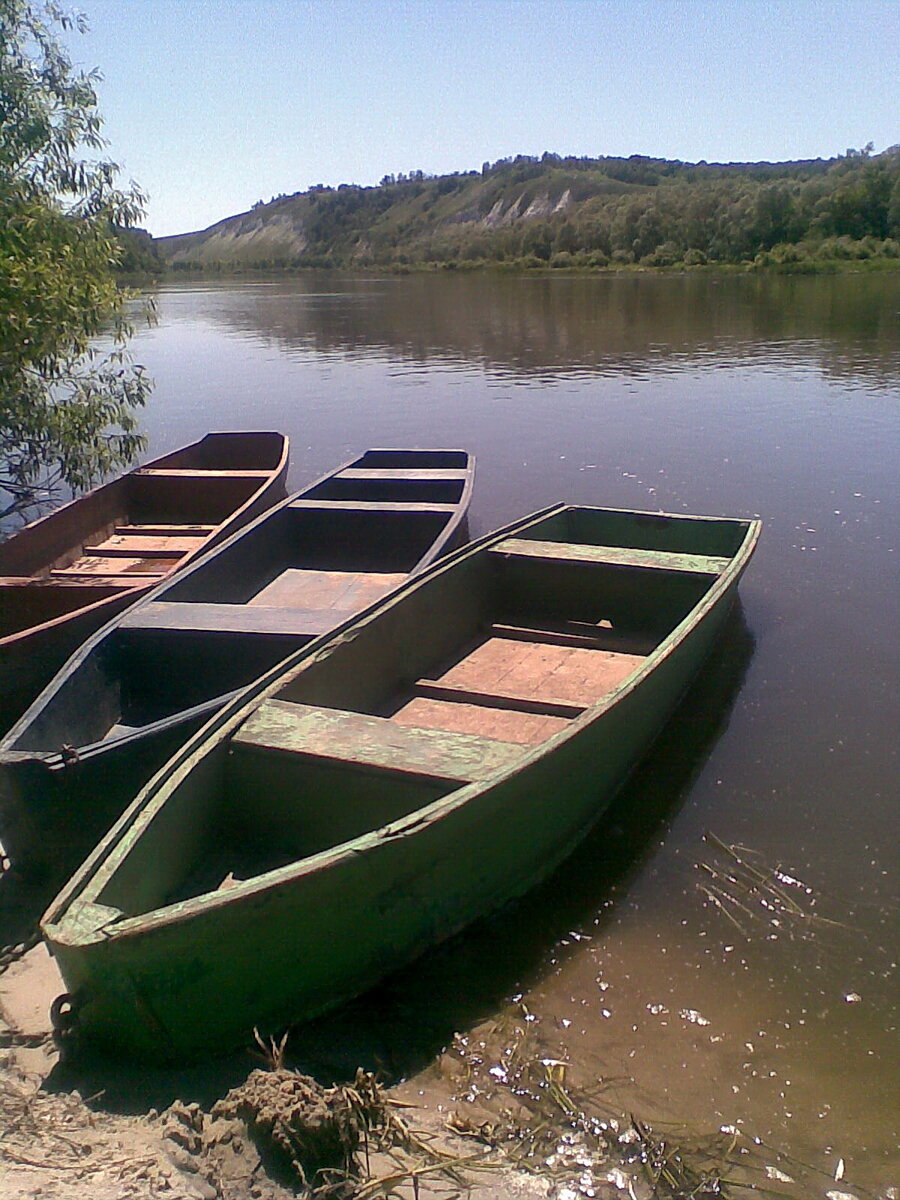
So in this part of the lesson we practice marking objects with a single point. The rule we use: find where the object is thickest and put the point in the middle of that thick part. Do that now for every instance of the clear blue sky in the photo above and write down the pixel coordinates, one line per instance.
(213, 104)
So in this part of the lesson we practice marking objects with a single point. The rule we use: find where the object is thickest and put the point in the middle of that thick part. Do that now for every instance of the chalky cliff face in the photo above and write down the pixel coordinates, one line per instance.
(252, 237)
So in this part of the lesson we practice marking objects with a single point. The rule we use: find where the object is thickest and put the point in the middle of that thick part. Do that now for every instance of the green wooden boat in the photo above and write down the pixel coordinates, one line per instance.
(393, 780)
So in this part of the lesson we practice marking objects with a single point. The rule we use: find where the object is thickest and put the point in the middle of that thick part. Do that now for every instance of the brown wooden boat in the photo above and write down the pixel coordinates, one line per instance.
(63, 576)
(138, 687)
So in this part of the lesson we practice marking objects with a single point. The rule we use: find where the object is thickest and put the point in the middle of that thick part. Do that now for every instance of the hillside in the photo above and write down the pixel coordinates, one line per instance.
(570, 212)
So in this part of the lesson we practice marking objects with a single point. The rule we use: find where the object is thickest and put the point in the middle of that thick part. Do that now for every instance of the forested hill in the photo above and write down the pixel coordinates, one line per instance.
(583, 212)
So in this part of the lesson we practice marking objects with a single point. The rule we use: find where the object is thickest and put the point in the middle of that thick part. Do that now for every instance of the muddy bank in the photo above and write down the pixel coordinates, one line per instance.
(493, 1115)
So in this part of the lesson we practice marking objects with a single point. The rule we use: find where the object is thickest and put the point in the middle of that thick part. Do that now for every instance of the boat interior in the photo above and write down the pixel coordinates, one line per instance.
(306, 567)
(476, 668)
(133, 531)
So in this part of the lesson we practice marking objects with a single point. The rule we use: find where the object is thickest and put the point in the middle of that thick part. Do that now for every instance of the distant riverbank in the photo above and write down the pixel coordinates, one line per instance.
(793, 261)
(554, 213)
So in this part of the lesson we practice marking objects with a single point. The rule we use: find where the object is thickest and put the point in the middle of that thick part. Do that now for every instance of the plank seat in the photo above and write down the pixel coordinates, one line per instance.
(45, 581)
(234, 618)
(183, 473)
(580, 634)
(120, 546)
(159, 529)
(93, 586)
(501, 724)
(544, 706)
(402, 474)
(304, 588)
(356, 739)
(613, 556)
(131, 570)
(375, 506)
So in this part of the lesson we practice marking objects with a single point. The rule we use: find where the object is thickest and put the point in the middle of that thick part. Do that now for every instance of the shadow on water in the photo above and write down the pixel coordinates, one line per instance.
(400, 1026)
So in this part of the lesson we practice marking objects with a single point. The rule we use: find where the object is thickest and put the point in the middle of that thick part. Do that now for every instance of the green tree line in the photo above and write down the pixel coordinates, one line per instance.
(554, 211)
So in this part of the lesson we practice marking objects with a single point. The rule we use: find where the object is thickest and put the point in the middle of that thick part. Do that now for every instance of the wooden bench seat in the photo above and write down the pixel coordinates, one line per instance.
(133, 569)
(343, 590)
(548, 706)
(159, 529)
(582, 634)
(234, 618)
(183, 473)
(375, 506)
(142, 546)
(613, 556)
(402, 474)
(34, 581)
(338, 736)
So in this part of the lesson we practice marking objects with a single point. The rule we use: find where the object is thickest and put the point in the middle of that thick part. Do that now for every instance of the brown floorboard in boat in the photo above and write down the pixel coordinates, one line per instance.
(93, 565)
(503, 666)
(170, 545)
(504, 725)
(349, 590)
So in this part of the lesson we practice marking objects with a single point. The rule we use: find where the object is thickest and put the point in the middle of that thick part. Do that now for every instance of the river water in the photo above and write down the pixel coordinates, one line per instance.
(656, 960)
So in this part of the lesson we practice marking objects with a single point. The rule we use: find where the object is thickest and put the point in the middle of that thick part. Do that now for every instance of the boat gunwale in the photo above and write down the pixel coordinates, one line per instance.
(53, 758)
(101, 865)
(142, 587)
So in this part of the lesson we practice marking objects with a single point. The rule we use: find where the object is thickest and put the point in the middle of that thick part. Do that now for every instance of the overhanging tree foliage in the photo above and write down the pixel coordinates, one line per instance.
(67, 411)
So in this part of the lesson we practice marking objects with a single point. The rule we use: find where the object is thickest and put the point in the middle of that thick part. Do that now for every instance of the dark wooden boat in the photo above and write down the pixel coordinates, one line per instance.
(140, 686)
(428, 761)
(65, 575)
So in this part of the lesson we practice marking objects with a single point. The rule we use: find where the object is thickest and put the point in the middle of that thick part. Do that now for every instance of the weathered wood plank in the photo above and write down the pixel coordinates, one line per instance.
(501, 724)
(46, 582)
(24, 581)
(163, 530)
(399, 506)
(91, 567)
(141, 545)
(615, 556)
(389, 474)
(356, 738)
(233, 618)
(535, 670)
(350, 590)
(545, 706)
(583, 634)
(184, 473)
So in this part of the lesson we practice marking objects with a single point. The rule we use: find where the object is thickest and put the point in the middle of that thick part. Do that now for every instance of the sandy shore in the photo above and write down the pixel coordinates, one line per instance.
(64, 1142)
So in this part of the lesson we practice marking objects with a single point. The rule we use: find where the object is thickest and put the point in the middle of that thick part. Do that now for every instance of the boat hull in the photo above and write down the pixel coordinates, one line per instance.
(198, 975)
(56, 803)
(57, 616)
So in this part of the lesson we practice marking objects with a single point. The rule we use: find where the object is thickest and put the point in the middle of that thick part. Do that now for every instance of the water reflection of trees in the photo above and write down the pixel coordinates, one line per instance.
(844, 325)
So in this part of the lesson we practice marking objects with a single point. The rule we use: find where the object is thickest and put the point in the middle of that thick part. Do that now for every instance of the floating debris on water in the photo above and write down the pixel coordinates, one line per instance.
(691, 1014)
(740, 885)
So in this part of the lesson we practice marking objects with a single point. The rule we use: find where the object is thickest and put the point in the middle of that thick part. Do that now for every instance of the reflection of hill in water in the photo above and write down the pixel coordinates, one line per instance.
(844, 325)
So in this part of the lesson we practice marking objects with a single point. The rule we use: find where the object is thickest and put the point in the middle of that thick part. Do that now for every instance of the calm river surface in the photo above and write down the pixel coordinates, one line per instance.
(646, 961)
